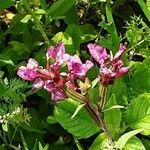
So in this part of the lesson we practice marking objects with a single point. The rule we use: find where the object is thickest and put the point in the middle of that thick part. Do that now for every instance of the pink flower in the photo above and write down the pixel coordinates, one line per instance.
(56, 53)
(29, 72)
(109, 69)
(77, 68)
(56, 92)
(51, 78)
(98, 53)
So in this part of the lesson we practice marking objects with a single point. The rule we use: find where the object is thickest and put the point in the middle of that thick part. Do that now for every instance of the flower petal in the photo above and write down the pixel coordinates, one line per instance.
(98, 53)
(38, 83)
(32, 64)
(57, 95)
(26, 74)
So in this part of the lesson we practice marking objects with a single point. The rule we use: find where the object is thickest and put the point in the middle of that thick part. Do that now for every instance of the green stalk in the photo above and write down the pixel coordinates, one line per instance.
(27, 6)
(144, 9)
(95, 114)
(102, 97)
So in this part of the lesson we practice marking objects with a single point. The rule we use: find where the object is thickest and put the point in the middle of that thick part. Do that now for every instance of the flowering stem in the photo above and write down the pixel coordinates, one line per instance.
(102, 96)
(95, 114)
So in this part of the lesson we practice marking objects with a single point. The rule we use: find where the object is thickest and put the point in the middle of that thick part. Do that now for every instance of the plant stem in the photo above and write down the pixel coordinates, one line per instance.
(102, 97)
(27, 6)
(95, 114)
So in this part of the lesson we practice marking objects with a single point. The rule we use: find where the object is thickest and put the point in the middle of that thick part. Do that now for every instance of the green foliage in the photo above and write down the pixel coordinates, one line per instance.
(113, 117)
(138, 113)
(64, 112)
(28, 118)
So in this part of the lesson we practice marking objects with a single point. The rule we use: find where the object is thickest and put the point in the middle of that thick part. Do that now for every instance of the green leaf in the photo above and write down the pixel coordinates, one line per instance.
(6, 3)
(77, 110)
(100, 143)
(113, 107)
(113, 117)
(81, 126)
(39, 11)
(51, 120)
(88, 33)
(74, 31)
(4, 58)
(124, 138)
(60, 7)
(94, 82)
(71, 17)
(144, 8)
(66, 39)
(26, 19)
(134, 143)
(112, 30)
(5, 127)
(140, 81)
(23, 141)
(138, 113)
(121, 94)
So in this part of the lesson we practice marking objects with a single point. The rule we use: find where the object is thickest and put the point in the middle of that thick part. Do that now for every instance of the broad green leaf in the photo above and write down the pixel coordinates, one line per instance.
(134, 144)
(88, 33)
(140, 81)
(148, 4)
(146, 143)
(119, 89)
(72, 17)
(74, 31)
(60, 7)
(100, 143)
(138, 113)
(81, 126)
(113, 117)
(6, 3)
(124, 138)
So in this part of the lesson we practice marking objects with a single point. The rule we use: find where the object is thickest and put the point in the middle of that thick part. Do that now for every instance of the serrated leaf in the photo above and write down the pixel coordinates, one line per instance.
(138, 113)
(81, 126)
(134, 144)
(124, 138)
(113, 117)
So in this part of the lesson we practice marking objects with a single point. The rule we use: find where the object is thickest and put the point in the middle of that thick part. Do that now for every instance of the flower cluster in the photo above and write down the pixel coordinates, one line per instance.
(51, 78)
(110, 67)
